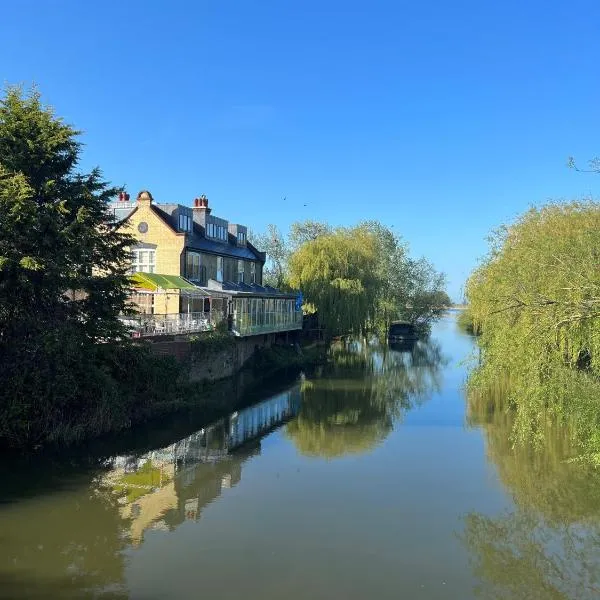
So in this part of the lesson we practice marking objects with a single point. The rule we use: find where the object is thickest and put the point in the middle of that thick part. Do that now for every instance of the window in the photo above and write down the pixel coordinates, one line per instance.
(240, 271)
(143, 260)
(193, 266)
(219, 268)
(185, 222)
(241, 238)
(252, 272)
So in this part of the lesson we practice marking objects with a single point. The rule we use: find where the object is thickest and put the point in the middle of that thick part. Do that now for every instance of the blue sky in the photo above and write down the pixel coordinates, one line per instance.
(442, 119)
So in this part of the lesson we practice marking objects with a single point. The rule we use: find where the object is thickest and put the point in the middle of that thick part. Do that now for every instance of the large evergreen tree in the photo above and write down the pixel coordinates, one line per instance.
(65, 368)
(62, 264)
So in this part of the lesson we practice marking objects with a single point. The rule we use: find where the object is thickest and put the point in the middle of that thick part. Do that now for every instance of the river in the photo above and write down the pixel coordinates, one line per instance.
(370, 478)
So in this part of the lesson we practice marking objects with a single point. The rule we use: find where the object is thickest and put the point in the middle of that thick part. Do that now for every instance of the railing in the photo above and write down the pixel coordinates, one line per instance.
(181, 323)
(257, 324)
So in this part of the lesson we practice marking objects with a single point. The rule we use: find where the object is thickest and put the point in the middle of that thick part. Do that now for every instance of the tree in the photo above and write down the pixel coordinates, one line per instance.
(56, 237)
(306, 231)
(63, 284)
(337, 274)
(356, 278)
(536, 300)
(275, 245)
(410, 289)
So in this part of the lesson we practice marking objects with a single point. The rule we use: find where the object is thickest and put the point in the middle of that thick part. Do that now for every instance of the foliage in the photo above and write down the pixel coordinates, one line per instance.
(66, 369)
(210, 343)
(275, 245)
(306, 231)
(362, 279)
(465, 322)
(337, 273)
(409, 289)
(356, 278)
(536, 300)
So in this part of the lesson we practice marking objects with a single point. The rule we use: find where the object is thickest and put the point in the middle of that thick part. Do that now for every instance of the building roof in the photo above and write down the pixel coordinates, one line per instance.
(249, 289)
(197, 241)
(156, 281)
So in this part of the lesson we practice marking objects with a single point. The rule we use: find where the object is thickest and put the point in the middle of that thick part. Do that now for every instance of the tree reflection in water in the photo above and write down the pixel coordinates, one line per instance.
(549, 547)
(351, 405)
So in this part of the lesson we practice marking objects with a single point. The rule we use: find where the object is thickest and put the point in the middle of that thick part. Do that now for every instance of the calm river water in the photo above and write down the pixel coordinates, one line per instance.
(372, 478)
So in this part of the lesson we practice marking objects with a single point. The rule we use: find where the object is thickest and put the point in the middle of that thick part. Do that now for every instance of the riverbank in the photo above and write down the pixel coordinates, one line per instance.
(145, 387)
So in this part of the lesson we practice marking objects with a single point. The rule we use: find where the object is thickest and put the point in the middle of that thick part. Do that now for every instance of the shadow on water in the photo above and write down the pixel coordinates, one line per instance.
(549, 545)
(351, 405)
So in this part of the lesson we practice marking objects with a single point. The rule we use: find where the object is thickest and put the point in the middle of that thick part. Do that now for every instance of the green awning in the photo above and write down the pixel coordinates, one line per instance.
(155, 281)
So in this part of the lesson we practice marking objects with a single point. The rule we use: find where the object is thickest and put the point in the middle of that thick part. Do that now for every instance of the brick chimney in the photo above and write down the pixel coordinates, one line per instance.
(202, 204)
(123, 197)
(200, 210)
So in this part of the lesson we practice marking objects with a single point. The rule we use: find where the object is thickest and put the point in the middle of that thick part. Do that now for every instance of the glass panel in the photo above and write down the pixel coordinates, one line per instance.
(219, 268)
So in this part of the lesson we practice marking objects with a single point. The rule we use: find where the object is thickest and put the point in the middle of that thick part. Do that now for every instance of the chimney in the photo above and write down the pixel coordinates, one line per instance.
(200, 210)
(202, 203)
(123, 197)
(144, 197)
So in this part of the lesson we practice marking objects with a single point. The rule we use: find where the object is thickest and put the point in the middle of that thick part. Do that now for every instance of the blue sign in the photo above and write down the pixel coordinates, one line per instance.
(299, 300)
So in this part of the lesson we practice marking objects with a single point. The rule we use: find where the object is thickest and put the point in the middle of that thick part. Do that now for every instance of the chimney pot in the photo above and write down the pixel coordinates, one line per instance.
(201, 202)
(127, 197)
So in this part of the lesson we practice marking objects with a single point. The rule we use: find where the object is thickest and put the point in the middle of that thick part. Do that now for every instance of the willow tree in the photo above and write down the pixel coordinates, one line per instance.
(337, 273)
(536, 299)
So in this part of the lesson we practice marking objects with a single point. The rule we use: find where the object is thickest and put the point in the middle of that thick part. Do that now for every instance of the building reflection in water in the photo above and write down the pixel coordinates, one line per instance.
(164, 487)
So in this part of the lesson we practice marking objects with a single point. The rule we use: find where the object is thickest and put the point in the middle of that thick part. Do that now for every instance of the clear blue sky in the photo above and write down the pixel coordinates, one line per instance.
(442, 118)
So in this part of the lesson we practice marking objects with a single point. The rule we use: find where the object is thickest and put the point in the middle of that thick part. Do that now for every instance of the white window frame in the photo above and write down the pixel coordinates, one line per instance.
(143, 260)
(241, 271)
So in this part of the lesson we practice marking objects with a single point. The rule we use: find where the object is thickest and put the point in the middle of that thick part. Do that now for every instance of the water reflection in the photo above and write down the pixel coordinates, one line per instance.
(71, 544)
(549, 546)
(164, 487)
(352, 404)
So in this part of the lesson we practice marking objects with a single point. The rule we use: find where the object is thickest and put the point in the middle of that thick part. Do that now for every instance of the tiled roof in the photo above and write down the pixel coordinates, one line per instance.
(196, 241)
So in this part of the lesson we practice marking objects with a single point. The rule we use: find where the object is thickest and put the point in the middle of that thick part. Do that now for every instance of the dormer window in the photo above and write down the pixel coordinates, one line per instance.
(185, 223)
(241, 238)
(217, 232)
